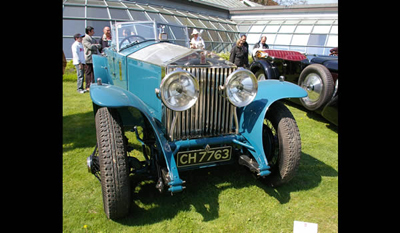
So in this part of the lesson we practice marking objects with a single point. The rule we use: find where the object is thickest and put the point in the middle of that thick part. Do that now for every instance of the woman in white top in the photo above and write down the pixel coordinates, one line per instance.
(197, 42)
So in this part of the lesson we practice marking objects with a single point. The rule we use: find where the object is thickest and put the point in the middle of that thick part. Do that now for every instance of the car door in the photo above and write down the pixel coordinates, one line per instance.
(120, 71)
(110, 54)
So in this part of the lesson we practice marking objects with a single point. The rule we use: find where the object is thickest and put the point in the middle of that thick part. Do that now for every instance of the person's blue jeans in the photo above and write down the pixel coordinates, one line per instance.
(79, 73)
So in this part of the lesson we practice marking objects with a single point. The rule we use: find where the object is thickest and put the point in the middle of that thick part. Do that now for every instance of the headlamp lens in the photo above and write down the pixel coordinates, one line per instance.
(241, 87)
(179, 90)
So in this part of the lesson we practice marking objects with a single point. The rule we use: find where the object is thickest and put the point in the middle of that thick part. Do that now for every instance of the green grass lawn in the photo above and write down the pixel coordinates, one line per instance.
(222, 199)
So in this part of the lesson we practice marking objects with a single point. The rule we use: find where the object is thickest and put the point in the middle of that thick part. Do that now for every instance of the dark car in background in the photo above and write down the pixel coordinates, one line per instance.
(316, 74)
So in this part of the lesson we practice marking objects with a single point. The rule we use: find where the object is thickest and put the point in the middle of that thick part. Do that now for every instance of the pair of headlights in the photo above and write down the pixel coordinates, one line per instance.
(179, 90)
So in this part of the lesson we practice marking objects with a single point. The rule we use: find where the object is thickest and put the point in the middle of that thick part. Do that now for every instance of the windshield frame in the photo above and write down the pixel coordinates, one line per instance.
(150, 30)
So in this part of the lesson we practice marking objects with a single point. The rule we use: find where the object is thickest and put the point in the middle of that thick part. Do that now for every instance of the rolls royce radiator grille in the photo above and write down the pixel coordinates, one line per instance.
(212, 115)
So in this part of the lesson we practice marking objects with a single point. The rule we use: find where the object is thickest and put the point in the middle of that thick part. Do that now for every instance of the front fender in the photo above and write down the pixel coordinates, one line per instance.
(115, 97)
(112, 96)
(270, 72)
(106, 95)
(251, 117)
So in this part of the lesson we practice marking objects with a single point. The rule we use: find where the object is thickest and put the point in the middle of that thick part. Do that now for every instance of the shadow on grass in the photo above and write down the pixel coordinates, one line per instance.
(295, 103)
(79, 131)
(205, 185)
(308, 177)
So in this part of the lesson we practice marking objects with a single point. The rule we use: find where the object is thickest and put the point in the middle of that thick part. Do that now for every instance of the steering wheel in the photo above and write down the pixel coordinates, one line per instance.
(130, 41)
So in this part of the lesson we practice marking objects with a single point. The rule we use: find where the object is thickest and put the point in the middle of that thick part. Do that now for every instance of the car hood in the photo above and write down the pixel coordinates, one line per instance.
(330, 62)
(164, 54)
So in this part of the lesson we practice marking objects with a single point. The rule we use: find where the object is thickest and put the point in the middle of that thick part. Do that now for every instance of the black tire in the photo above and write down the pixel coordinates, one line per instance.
(282, 144)
(114, 170)
(260, 75)
(317, 80)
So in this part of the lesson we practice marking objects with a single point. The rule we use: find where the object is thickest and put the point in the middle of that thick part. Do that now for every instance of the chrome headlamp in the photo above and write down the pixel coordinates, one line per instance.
(241, 87)
(179, 90)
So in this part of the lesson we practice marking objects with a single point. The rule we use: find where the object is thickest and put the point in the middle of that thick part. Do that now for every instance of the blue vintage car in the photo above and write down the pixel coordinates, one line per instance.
(189, 109)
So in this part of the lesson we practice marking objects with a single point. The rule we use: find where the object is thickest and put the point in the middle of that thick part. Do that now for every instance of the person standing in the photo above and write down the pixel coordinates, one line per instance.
(261, 44)
(334, 52)
(238, 54)
(105, 38)
(197, 42)
(78, 60)
(243, 38)
(91, 47)
(64, 64)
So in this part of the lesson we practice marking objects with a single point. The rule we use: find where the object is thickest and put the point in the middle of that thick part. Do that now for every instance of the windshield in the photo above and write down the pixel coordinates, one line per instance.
(130, 33)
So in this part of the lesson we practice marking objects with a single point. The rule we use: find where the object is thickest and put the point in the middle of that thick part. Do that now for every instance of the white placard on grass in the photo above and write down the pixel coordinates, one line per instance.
(305, 227)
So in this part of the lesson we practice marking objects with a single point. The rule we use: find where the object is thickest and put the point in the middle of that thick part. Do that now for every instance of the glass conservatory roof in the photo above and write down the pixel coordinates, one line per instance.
(219, 34)
(312, 36)
(308, 32)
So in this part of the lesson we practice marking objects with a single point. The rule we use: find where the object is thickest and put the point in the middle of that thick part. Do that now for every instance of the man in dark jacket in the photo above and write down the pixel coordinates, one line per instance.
(90, 47)
(105, 38)
(261, 44)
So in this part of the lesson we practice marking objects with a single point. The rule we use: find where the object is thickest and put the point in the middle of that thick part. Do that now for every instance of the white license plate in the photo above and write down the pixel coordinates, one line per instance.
(196, 157)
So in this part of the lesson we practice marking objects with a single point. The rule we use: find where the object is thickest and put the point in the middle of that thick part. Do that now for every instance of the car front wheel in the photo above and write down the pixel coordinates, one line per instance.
(114, 169)
(282, 144)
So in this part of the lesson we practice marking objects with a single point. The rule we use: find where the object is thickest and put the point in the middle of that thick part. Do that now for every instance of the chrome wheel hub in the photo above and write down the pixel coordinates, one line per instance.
(313, 85)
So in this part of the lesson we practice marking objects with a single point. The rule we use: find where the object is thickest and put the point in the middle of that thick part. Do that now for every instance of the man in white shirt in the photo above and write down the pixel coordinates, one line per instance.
(197, 42)
(78, 59)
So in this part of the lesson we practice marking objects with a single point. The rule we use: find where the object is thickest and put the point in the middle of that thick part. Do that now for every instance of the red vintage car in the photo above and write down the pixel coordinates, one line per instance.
(318, 75)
